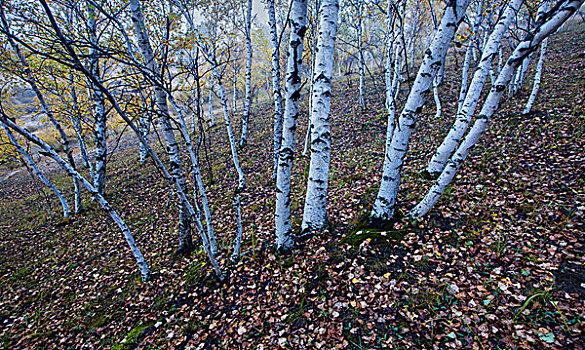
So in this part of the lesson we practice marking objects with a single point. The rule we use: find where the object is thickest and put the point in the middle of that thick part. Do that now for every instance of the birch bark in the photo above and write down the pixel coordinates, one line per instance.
(81, 68)
(550, 22)
(99, 179)
(537, 77)
(436, 83)
(32, 81)
(315, 211)
(176, 168)
(451, 141)
(361, 51)
(464, 77)
(276, 89)
(433, 59)
(248, 97)
(298, 22)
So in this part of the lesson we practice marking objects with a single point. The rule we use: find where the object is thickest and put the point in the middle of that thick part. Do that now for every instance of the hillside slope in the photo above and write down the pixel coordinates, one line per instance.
(497, 264)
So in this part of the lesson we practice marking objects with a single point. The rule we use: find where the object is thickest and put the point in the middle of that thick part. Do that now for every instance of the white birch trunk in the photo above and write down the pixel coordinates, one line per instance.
(144, 124)
(234, 151)
(99, 178)
(500, 60)
(211, 121)
(197, 179)
(76, 124)
(436, 83)
(451, 141)
(392, 69)
(315, 211)
(298, 21)
(176, 168)
(388, 66)
(433, 59)
(276, 88)
(361, 53)
(235, 159)
(248, 97)
(235, 84)
(537, 77)
(523, 49)
(519, 81)
(464, 77)
(313, 46)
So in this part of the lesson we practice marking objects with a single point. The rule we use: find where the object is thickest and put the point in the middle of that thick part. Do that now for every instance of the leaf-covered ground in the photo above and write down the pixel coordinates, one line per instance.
(498, 263)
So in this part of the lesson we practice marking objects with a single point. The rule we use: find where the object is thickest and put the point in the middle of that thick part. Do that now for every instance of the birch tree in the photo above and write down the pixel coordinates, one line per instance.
(433, 59)
(211, 56)
(540, 65)
(248, 92)
(176, 168)
(99, 179)
(315, 210)
(298, 22)
(464, 115)
(74, 61)
(537, 78)
(546, 25)
(313, 23)
(276, 88)
(393, 63)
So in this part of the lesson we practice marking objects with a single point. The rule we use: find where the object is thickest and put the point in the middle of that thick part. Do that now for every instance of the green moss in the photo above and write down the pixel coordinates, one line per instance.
(376, 237)
(132, 338)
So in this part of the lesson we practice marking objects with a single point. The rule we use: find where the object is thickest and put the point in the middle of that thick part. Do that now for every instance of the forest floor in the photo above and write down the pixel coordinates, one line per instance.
(498, 263)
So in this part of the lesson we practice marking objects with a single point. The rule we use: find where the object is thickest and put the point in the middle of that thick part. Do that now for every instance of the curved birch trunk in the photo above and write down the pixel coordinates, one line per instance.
(520, 74)
(537, 77)
(550, 23)
(248, 97)
(315, 211)
(38, 172)
(451, 141)
(298, 22)
(276, 89)
(433, 59)
(176, 168)
(142, 265)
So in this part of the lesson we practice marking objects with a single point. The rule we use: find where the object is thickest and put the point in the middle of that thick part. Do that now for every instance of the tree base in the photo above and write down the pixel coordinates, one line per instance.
(425, 174)
(184, 250)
